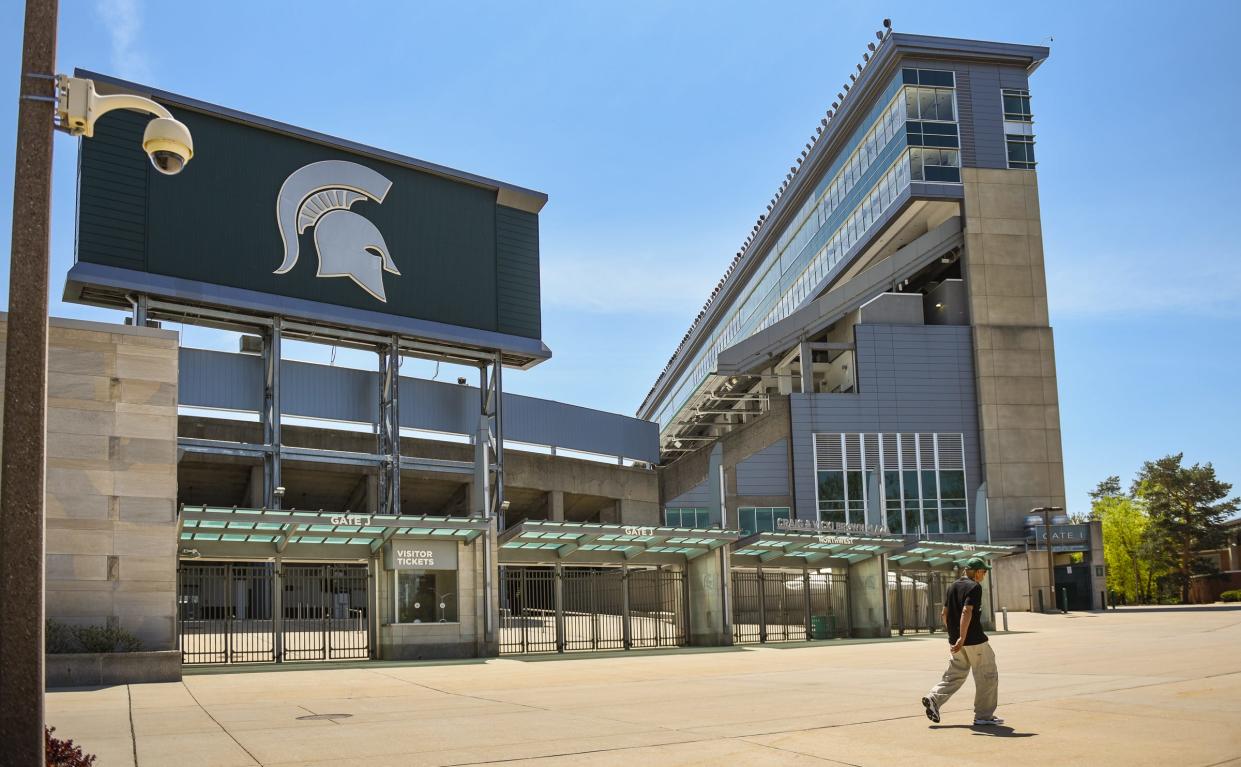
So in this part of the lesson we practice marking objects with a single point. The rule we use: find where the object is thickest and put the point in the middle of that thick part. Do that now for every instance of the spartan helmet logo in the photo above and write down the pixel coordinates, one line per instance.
(319, 195)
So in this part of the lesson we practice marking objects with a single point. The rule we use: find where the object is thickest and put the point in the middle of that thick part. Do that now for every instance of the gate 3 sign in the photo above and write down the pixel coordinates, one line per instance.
(276, 220)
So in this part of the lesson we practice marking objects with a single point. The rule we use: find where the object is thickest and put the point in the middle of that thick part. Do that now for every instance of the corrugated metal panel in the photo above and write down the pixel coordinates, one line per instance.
(965, 118)
(697, 497)
(765, 472)
(517, 272)
(927, 387)
(235, 382)
(112, 193)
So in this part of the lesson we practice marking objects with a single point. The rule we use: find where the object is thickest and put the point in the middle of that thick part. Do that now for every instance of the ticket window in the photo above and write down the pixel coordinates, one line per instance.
(424, 578)
(426, 596)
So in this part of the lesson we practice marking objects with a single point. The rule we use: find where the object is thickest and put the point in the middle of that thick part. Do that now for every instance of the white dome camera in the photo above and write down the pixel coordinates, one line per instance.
(169, 145)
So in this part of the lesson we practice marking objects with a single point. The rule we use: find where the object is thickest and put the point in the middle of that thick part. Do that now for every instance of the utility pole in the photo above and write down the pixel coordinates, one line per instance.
(22, 457)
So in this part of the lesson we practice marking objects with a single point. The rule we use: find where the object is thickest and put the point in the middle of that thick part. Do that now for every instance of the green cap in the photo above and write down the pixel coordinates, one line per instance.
(976, 563)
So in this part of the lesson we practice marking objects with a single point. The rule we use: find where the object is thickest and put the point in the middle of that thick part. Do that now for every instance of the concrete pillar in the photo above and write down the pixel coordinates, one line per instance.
(715, 489)
(707, 577)
(610, 514)
(372, 493)
(643, 513)
(868, 592)
(555, 506)
(1098, 567)
(254, 488)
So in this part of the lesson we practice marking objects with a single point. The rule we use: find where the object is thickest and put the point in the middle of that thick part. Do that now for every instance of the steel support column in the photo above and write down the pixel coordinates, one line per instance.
(389, 428)
(626, 629)
(271, 414)
(805, 590)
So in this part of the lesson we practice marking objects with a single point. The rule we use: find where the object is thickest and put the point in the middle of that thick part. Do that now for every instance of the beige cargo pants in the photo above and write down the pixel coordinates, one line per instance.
(980, 659)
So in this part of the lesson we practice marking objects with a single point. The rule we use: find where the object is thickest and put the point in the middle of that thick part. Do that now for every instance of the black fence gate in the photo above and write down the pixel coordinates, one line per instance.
(915, 598)
(547, 609)
(785, 606)
(238, 612)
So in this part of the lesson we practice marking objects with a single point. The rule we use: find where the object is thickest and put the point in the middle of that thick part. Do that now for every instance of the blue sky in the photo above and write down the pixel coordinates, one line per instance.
(661, 129)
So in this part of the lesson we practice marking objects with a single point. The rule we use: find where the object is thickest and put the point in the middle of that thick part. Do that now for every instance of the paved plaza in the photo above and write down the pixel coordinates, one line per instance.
(1159, 686)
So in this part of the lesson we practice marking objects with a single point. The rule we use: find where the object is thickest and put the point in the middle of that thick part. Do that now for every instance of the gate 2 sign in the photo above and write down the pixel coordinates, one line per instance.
(421, 555)
(275, 220)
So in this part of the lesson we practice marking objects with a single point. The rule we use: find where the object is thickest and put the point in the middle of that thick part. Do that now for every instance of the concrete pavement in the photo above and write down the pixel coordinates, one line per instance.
(1131, 687)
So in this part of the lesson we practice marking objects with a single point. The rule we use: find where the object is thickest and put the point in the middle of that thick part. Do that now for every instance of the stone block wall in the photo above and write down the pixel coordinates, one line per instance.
(111, 482)
(1015, 361)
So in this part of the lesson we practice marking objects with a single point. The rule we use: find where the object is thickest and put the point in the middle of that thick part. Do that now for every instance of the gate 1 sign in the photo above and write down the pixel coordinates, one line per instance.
(421, 555)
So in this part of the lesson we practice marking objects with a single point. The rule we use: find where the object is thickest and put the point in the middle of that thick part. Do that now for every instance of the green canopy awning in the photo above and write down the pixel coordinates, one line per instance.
(231, 531)
(946, 553)
(804, 549)
(532, 541)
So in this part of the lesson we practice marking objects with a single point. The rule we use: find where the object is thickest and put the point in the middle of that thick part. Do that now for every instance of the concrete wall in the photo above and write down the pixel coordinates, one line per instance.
(111, 478)
(911, 378)
(708, 580)
(1011, 578)
(1018, 404)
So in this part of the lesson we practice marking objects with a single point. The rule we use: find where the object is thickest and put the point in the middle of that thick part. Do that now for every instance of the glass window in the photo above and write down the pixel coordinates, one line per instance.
(1020, 152)
(943, 105)
(693, 517)
(1017, 106)
(832, 496)
(761, 520)
(426, 596)
(892, 501)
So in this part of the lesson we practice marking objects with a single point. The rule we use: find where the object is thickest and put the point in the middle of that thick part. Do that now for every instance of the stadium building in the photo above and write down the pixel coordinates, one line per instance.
(878, 354)
(868, 398)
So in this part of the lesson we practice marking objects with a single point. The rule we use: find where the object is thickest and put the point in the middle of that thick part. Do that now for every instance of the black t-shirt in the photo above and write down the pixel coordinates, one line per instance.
(962, 592)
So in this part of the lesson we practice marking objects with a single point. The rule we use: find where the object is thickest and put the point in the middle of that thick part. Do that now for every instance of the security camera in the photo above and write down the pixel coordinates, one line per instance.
(278, 492)
(169, 145)
(166, 140)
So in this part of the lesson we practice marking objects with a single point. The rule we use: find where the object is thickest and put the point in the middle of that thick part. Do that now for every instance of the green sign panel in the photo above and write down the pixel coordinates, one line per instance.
(291, 216)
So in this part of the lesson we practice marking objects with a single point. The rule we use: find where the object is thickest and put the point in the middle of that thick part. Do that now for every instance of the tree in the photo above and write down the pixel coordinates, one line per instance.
(1187, 508)
(1133, 565)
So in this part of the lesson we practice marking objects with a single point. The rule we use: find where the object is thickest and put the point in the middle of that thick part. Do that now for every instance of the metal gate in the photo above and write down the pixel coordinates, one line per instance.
(324, 609)
(548, 609)
(237, 612)
(779, 606)
(915, 598)
(224, 612)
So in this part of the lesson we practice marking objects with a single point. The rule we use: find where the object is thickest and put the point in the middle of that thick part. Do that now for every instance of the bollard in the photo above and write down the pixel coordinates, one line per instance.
(1005, 611)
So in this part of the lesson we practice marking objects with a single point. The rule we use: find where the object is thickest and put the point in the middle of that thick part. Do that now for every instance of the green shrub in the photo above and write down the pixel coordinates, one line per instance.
(61, 638)
(106, 639)
(1231, 596)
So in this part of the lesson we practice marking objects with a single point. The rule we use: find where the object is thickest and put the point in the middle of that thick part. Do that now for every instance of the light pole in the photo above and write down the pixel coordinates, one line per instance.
(46, 102)
(1051, 561)
(25, 394)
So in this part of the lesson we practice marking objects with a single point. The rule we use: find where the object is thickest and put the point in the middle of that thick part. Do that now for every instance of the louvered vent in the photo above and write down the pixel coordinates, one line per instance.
(871, 443)
(827, 453)
(926, 451)
(853, 451)
(891, 455)
(951, 451)
(909, 452)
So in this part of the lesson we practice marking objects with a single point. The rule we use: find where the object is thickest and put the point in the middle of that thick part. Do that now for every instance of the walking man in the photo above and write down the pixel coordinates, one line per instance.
(962, 616)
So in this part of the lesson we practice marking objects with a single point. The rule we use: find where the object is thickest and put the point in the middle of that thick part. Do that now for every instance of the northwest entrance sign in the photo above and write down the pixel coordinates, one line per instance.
(276, 220)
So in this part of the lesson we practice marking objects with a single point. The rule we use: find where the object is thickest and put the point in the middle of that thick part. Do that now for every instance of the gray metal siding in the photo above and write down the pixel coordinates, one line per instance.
(112, 193)
(697, 497)
(980, 108)
(517, 272)
(765, 472)
(230, 381)
(910, 379)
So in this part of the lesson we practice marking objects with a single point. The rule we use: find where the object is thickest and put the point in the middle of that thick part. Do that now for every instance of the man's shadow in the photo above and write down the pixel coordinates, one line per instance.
(992, 730)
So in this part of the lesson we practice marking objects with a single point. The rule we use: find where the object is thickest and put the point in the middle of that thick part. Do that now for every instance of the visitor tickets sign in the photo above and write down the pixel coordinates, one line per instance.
(421, 555)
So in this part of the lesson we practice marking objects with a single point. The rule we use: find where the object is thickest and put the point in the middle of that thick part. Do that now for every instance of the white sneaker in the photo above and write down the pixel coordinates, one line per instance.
(932, 709)
(987, 721)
